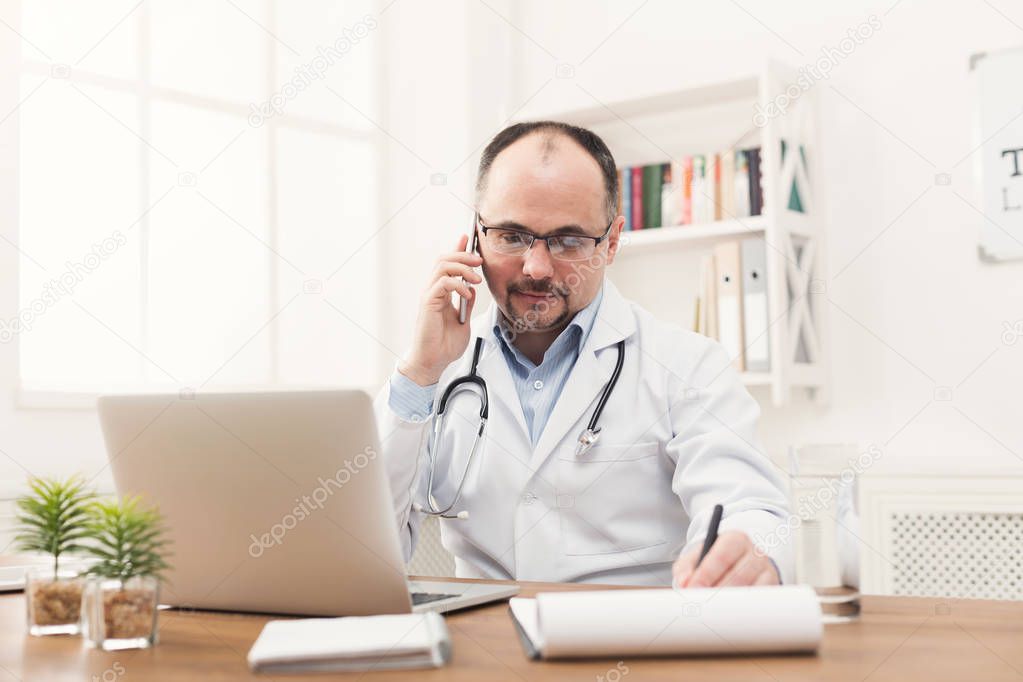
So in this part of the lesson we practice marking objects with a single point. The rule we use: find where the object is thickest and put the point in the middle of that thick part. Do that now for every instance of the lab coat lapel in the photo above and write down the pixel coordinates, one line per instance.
(592, 371)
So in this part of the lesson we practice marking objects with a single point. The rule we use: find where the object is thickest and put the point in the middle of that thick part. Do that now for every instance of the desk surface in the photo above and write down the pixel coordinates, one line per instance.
(897, 638)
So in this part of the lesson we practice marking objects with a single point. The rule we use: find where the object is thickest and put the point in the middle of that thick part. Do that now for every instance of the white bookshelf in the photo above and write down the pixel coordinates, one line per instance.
(654, 264)
(692, 235)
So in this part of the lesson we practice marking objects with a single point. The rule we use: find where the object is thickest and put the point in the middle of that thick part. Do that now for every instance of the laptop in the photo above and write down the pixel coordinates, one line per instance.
(275, 502)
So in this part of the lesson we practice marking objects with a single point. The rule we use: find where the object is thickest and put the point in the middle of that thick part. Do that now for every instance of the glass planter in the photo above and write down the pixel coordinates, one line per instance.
(121, 614)
(53, 602)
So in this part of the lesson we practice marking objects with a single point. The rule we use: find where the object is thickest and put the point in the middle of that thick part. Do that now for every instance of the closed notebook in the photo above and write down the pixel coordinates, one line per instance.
(666, 622)
(350, 644)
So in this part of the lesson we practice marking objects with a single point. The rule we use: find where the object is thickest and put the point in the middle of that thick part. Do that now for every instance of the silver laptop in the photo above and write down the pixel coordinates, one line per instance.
(275, 502)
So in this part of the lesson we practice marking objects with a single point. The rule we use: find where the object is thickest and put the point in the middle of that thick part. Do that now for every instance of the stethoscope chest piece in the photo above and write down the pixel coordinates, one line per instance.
(587, 439)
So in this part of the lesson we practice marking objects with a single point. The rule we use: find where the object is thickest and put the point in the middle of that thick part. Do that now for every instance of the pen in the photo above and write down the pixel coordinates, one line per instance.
(712, 532)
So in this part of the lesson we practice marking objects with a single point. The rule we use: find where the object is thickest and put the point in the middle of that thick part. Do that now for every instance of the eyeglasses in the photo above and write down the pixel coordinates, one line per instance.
(512, 242)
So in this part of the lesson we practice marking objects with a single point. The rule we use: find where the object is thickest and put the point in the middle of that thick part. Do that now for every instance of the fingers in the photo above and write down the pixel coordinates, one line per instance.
(447, 285)
(745, 571)
(471, 303)
(454, 273)
(723, 554)
(683, 568)
(452, 268)
(732, 561)
(460, 255)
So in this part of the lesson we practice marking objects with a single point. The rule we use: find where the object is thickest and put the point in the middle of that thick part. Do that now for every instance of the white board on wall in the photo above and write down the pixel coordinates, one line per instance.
(999, 88)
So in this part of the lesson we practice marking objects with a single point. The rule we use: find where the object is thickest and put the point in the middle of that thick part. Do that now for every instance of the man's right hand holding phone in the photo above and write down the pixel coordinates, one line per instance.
(439, 338)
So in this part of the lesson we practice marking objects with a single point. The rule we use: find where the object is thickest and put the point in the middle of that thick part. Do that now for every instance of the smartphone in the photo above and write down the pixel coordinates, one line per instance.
(463, 305)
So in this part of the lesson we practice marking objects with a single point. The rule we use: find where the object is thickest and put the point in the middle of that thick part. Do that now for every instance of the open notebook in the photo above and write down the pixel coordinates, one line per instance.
(664, 622)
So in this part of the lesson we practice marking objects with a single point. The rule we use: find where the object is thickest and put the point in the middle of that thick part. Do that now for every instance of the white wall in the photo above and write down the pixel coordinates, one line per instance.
(915, 310)
(922, 310)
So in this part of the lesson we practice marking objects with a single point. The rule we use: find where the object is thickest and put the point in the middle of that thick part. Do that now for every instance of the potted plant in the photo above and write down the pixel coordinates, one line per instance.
(53, 519)
(123, 590)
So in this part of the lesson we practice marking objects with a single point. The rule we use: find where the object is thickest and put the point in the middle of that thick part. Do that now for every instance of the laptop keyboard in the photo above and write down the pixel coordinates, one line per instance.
(427, 597)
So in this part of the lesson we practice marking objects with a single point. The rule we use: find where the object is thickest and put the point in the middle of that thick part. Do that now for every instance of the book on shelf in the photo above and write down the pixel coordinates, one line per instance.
(694, 190)
(756, 195)
(625, 195)
(742, 203)
(652, 180)
(637, 197)
(687, 191)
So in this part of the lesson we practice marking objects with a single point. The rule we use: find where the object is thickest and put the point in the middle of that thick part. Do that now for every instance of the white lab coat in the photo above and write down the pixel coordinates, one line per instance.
(678, 438)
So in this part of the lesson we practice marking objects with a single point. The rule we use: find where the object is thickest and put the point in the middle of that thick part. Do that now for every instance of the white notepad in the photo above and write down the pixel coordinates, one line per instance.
(354, 643)
(664, 622)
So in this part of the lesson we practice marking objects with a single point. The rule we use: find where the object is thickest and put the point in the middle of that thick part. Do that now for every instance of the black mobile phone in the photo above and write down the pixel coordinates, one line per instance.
(463, 305)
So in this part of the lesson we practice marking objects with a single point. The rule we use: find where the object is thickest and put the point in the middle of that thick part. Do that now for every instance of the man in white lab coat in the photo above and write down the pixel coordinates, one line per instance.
(676, 435)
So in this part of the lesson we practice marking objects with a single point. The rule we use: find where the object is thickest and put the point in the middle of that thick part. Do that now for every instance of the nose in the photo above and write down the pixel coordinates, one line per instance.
(537, 262)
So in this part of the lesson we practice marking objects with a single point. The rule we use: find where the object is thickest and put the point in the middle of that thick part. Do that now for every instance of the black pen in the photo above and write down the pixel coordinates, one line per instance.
(712, 533)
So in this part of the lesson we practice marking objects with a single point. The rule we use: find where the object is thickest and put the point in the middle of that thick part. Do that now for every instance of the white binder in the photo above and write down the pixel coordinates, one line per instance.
(727, 258)
(754, 305)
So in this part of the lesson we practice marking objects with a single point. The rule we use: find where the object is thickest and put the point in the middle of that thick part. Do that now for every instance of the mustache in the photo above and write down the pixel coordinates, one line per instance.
(538, 287)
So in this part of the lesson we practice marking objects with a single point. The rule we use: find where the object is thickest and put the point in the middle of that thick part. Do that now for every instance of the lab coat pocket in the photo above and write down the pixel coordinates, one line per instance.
(611, 499)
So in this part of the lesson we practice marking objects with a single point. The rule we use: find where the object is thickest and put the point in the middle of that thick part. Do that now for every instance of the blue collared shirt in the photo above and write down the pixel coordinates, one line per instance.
(538, 386)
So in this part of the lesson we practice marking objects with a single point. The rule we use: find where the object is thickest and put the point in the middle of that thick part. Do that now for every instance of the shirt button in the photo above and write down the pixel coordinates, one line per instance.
(538, 384)
(528, 498)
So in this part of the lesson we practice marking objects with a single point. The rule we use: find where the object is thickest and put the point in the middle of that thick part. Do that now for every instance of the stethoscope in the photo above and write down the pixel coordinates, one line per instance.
(587, 439)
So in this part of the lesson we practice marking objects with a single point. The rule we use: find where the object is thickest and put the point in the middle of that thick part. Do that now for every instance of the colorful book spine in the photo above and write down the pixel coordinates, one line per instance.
(637, 197)
(652, 179)
(742, 184)
(700, 200)
(671, 205)
(625, 184)
(695, 190)
(756, 196)
(728, 185)
(687, 191)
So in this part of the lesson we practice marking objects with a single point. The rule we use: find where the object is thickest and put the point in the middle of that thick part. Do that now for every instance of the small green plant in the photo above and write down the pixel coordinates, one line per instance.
(127, 540)
(54, 517)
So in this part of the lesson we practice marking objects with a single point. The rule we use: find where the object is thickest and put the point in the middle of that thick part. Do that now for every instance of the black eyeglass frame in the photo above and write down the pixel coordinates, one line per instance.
(533, 237)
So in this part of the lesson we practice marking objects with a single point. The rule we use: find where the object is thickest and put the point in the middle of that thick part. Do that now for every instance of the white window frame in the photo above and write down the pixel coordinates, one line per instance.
(29, 398)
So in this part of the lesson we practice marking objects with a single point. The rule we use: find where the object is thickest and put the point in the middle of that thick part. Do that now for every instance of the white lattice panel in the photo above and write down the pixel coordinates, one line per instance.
(957, 554)
(430, 558)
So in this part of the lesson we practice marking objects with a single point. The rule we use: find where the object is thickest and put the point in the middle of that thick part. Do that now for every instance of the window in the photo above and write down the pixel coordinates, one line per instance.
(198, 186)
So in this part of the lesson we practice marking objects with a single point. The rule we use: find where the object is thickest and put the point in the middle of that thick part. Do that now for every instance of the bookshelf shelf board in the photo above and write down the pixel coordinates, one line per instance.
(739, 90)
(690, 234)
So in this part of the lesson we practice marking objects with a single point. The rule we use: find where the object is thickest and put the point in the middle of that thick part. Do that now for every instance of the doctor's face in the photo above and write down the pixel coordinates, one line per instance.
(544, 190)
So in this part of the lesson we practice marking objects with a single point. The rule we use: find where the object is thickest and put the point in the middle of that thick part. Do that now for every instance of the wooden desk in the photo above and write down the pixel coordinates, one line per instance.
(897, 638)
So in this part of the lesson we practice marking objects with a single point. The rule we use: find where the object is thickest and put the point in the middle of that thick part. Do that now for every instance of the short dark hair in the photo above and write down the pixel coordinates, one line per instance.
(586, 139)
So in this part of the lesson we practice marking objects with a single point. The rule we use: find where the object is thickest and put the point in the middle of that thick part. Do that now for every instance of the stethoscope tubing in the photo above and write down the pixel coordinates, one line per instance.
(586, 439)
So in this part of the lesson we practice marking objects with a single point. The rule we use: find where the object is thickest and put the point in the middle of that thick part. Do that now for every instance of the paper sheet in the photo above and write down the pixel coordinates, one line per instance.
(730, 620)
